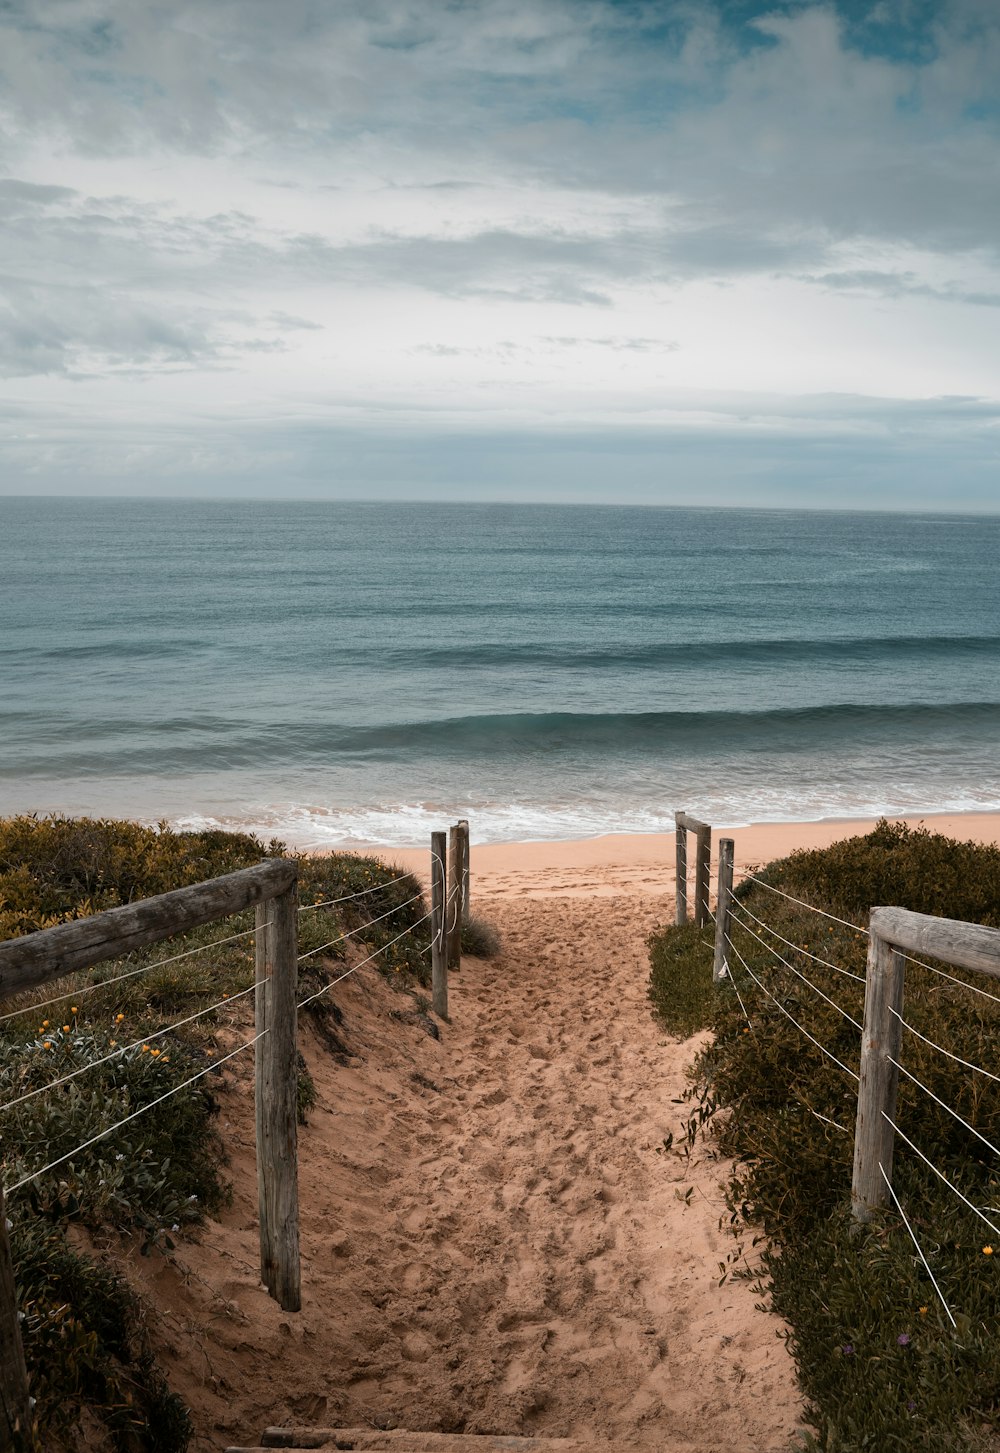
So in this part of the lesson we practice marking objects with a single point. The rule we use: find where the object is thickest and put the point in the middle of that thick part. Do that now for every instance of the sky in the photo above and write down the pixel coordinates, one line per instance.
(664, 251)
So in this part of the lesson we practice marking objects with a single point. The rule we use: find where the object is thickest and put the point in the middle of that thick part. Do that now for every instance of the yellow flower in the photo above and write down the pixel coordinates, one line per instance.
(987, 1250)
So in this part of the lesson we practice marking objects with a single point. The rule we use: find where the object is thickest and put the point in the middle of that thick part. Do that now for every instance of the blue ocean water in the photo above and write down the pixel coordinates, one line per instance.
(352, 673)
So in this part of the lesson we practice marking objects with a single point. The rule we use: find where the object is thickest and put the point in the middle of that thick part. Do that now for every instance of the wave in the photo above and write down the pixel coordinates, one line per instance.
(202, 743)
(791, 650)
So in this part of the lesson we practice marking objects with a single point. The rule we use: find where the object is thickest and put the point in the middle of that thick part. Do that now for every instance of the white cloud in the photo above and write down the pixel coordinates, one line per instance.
(308, 216)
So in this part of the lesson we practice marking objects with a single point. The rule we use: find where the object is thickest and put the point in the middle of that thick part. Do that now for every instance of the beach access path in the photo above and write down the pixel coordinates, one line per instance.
(494, 1237)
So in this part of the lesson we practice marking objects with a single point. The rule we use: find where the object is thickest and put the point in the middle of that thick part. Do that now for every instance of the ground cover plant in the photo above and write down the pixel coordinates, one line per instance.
(880, 1363)
(85, 1332)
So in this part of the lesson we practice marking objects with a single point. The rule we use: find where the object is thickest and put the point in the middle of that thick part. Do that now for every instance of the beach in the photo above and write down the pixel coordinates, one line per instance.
(642, 864)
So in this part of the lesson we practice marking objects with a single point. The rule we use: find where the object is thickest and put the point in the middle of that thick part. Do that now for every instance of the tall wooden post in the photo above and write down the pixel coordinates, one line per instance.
(881, 1038)
(454, 901)
(682, 870)
(277, 1071)
(723, 915)
(466, 878)
(702, 872)
(15, 1407)
(439, 927)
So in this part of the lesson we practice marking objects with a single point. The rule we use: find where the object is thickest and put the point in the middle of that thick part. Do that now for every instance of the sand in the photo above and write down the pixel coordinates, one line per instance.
(495, 1238)
(643, 863)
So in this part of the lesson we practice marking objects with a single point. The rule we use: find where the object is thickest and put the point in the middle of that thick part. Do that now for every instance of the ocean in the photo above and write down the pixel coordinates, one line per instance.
(346, 674)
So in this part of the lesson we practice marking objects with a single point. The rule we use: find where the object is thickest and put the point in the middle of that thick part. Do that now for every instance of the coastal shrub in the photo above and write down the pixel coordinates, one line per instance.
(480, 938)
(879, 1361)
(86, 1335)
(680, 978)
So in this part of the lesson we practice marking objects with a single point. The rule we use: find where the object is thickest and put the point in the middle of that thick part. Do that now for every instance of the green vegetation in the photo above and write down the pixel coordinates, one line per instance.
(480, 938)
(85, 1332)
(880, 1364)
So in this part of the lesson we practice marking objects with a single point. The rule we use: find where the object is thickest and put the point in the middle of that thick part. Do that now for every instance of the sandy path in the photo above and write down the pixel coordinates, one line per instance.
(491, 1242)
(562, 1271)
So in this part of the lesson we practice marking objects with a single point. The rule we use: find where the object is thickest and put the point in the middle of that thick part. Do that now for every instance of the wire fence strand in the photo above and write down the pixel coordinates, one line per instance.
(940, 1174)
(351, 933)
(354, 968)
(944, 1106)
(350, 897)
(777, 1003)
(916, 1243)
(103, 1134)
(827, 963)
(752, 878)
(133, 973)
(118, 1053)
(791, 967)
(941, 1049)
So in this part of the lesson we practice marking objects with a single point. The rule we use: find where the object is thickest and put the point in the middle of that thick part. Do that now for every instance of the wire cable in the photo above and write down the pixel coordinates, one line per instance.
(832, 1002)
(858, 978)
(349, 897)
(962, 983)
(9, 1190)
(303, 1002)
(119, 1052)
(941, 1175)
(146, 968)
(351, 932)
(752, 878)
(916, 1243)
(941, 1049)
(846, 1068)
(961, 1120)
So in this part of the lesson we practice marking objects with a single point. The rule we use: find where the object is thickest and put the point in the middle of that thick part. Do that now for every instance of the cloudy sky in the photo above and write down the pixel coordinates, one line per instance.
(673, 251)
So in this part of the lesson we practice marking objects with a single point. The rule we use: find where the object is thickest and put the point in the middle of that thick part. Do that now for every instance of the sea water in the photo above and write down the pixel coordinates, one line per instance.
(351, 673)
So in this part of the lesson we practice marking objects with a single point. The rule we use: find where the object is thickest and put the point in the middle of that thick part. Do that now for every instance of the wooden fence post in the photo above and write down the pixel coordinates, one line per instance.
(454, 902)
(702, 873)
(879, 1082)
(723, 914)
(15, 1406)
(277, 1072)
(466, 879)
(682, 869)
(439, 926)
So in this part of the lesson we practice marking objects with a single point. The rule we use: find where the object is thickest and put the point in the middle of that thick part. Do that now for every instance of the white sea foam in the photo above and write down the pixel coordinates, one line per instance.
(408, 825)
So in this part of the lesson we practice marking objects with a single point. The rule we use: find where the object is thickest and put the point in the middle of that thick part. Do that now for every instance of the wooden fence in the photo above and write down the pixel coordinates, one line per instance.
(702, 867)
(893, 933)
(27, 963)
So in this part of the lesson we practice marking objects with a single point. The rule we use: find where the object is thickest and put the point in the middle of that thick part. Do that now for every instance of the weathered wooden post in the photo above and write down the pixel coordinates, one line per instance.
(466, 878)
(881, 1037)
(723, 914)
(702, 872)
(277, 1072)
(682, 869)
(439, 925)
(15, 1406)
(454, 911)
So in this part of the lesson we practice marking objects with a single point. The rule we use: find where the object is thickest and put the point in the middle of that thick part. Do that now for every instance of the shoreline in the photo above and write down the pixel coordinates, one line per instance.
(642, 864)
